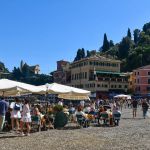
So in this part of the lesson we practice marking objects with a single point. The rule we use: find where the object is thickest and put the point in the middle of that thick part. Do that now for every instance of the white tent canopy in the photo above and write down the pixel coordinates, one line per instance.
(12, 88)
(123, 96)
(56, 88)
(66, 92)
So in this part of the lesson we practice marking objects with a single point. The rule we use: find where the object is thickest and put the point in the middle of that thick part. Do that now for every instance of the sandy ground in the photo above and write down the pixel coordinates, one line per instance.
(132, 134)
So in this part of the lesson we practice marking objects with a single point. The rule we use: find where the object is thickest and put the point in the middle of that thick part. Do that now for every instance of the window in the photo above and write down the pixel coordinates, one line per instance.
(126, 86)
(148, 81)
(135, 73)
(138, 80)
(120, 86)
(138, 88)
(148, 88)
(98, 85)
(148, 73)
(75, 76)
(138, 73)
(85, 75)
(72, 77)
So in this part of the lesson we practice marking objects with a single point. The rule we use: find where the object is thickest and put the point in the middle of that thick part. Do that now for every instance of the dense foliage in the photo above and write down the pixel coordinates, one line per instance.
(3, 68)
(25, 75)
(133, 52)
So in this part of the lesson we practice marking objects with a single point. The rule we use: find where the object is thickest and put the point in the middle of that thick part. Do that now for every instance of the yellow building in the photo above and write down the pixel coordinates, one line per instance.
(98, 74)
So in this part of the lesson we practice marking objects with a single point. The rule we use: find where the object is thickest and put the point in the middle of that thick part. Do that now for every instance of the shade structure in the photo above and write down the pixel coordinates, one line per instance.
(123, 96)
(12, 88)
(66, 92)
(56, 88)
(73, 97)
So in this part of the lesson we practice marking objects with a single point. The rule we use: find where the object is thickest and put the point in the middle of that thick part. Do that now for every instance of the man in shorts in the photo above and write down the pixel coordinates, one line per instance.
(134, 106)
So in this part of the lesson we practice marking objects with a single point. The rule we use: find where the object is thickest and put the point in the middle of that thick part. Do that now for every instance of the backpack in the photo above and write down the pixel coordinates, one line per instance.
(17, 107)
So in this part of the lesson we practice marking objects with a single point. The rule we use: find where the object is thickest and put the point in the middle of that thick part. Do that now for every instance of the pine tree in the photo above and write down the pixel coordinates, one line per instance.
(105, 46)
(111, 43)
(88, 54)
(129, 33)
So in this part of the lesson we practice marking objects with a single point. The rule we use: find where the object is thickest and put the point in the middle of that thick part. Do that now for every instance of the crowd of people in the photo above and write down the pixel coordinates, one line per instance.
(20, 116)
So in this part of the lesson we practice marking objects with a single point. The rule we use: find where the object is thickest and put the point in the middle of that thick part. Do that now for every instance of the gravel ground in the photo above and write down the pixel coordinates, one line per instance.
(132, 134)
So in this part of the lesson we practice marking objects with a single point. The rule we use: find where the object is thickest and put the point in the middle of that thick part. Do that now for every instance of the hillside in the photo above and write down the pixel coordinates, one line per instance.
(133, 50)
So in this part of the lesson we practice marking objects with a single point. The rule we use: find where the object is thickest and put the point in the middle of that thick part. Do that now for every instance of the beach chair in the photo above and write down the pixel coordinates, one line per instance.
(82, 121)
(105, 118)
(116, 118)
(36, 123)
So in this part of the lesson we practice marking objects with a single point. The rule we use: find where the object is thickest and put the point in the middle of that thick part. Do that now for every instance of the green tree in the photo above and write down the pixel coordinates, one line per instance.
(146, 28)
(105, 46)
(3, 68)
(136, 36)
(88, 54)
(124, 47)
(129, 34)
(80, 54)
(16, 74)
(144, 39)
(111, 43)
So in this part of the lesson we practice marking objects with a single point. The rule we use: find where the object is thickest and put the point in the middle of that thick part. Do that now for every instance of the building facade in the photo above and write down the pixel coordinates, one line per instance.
(59, 75)
(97, 74)
(141, 80)
(29, 70)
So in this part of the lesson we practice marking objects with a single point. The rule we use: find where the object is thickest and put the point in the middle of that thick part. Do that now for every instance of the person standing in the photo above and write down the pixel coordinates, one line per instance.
(15, 113)
(25, 118)
(82, 103)
(145, 107)
(3, 110)
(134, 107)
(60, 102)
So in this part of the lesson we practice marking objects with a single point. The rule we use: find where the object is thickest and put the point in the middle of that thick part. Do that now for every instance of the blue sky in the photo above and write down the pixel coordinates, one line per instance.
(44, 31)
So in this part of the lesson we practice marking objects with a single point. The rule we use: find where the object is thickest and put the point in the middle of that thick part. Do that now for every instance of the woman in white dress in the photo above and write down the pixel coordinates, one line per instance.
(15, 113)
(25, 117)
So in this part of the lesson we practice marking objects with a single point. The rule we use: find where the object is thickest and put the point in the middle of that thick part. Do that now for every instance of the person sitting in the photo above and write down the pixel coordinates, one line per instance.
(65, 110)
(81, 117)
(104, 116)
(101, 109)
(37, 118)
(87, 109)
(116, 116)
(47, 122)
(92, 111)
(71, 109)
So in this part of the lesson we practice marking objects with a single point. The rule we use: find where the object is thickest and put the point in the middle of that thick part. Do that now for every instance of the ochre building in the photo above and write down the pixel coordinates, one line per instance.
(98, 74)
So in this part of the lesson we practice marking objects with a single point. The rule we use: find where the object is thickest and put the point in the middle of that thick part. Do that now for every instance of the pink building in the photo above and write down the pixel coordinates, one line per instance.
(142, 80)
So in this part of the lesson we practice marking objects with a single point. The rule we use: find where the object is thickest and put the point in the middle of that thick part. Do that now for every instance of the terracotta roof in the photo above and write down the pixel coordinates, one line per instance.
(97, 57)
(143, 67)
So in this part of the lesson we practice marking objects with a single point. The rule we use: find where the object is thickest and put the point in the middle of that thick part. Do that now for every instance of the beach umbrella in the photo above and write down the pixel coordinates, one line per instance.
(66, 92)
(12, 88)
(123, 96)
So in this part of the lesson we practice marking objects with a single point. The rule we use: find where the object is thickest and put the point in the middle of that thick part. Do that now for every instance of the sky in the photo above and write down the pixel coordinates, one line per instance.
(45, 31)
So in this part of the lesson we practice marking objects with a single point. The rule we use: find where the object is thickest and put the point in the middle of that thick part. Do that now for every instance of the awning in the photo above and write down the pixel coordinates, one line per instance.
(110, 72)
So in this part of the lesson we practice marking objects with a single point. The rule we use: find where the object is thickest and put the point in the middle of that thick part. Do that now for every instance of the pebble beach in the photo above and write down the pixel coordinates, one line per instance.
(131, 134)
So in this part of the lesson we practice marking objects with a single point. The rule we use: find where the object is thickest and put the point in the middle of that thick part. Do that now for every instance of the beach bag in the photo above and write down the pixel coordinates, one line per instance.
(17, 107)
